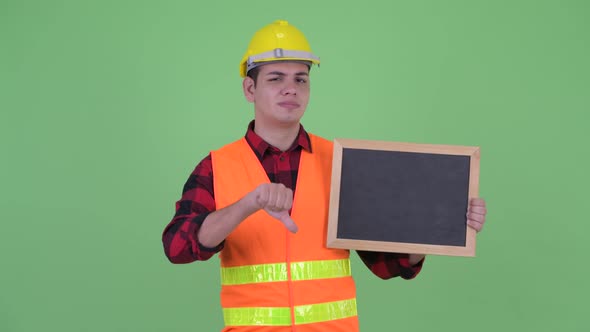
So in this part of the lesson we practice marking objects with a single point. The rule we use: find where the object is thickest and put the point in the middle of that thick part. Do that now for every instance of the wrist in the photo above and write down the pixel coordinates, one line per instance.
(415, 258)
(249, 204)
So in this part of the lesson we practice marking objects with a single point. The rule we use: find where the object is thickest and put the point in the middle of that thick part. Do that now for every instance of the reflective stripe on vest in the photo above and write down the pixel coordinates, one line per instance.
(240, 275)
(281, 316)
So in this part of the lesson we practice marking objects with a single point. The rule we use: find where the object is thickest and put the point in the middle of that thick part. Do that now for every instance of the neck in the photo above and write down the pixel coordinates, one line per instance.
(281, 137)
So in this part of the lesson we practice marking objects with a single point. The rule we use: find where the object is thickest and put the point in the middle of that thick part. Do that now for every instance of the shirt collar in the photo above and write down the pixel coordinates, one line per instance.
(260, 146)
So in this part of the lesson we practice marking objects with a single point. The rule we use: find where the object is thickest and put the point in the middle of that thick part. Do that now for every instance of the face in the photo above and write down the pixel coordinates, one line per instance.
(281, 93)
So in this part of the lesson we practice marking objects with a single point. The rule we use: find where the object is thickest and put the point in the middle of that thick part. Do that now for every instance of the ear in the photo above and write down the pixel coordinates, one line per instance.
(248, 87)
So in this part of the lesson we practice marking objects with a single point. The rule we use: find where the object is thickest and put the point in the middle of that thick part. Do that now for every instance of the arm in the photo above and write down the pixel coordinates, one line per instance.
(388, 265)
(197, 230)
(275, 199)
(197, 202)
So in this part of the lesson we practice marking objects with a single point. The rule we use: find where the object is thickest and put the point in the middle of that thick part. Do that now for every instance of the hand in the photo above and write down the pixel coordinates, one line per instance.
(476, 214)
(276, 200)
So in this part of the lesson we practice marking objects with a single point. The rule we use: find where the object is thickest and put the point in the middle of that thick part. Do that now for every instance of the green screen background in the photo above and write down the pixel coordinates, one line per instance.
(107, 106)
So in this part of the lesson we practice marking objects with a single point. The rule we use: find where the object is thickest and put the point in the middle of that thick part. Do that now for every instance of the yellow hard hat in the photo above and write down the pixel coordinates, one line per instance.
(278, 41)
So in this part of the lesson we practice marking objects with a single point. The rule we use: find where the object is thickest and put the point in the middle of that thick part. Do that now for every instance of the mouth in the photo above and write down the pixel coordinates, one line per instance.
(290, 105)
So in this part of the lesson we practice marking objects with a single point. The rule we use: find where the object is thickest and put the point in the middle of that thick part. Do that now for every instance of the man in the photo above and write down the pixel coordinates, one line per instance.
(262, 203)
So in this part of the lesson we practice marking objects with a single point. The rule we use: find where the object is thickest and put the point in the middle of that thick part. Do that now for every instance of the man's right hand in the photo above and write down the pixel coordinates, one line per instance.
(276, 200)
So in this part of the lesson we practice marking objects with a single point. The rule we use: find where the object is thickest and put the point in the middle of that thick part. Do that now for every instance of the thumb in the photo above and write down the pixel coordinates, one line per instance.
(285, 218)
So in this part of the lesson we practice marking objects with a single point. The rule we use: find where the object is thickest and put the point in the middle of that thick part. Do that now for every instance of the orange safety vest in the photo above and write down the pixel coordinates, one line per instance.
(273, 280)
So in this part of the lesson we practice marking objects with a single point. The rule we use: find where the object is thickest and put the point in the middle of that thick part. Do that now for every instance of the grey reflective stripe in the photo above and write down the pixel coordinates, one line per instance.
(278, 53)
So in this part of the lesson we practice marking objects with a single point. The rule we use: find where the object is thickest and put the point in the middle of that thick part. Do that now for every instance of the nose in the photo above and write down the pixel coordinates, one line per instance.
(289, 89)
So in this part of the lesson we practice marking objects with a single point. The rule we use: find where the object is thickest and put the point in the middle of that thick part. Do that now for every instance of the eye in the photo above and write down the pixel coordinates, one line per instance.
(277, 78)
(301, 80)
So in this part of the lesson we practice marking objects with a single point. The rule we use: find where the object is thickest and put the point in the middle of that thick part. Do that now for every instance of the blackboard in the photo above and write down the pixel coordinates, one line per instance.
(402, 197)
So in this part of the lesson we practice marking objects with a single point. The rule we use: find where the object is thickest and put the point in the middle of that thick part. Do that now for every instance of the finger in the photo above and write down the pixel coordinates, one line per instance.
(288, 201)
(280, 199)
(272, 193)
(262, 198)
(475, 225)
(478, 202)
(282, 194)
(272, 197)
(288, 222)
(476, 217)
(478, 209)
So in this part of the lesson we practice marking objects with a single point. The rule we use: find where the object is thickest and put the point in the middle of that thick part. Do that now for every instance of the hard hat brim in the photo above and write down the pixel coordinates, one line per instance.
(278, 54)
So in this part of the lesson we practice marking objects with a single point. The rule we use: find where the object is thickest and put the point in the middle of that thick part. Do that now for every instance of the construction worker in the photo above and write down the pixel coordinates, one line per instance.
(261, 202)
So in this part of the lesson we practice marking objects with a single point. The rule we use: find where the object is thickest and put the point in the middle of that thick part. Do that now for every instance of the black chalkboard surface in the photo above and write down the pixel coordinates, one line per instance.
(402, 197)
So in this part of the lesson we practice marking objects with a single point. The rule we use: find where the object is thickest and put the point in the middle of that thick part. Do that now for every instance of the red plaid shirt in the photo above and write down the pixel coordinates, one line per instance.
(198, 200)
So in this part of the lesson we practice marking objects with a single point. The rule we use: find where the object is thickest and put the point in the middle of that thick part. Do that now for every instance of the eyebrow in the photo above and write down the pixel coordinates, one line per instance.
(301, 73)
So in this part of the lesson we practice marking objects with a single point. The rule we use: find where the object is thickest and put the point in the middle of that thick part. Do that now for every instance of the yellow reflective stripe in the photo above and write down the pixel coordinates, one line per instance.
(253, 273)
(304, 314)
(257, 316)
(309, 270)
(314, 313)
(320, 269)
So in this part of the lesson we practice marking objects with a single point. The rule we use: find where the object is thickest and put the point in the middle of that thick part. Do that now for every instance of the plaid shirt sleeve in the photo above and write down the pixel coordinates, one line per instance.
(388, 265)
(180, 240)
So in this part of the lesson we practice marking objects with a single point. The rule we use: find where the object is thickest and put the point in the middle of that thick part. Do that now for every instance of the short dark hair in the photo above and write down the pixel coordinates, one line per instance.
(253, 74)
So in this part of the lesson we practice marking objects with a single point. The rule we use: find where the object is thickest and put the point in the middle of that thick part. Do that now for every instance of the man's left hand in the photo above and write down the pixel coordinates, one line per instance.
(476, 213)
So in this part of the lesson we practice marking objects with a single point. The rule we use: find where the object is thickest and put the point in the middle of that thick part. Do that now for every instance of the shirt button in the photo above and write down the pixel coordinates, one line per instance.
(282, 158)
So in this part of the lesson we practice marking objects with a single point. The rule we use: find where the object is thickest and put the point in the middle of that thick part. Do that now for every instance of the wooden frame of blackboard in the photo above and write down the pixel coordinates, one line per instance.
(333, 241)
